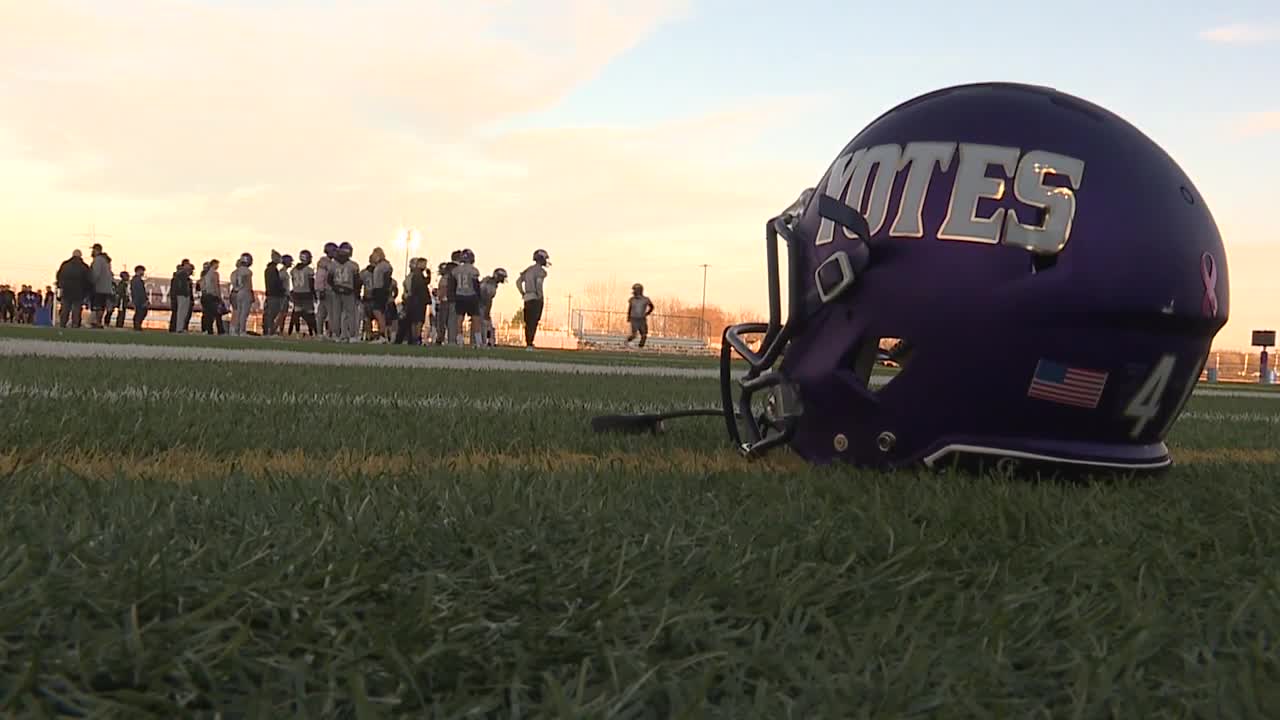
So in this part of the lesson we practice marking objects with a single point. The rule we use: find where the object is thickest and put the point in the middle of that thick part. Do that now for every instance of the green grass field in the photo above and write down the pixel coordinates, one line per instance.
(183, 538)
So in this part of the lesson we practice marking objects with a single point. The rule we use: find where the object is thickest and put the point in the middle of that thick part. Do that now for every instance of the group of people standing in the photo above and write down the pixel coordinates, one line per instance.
(337, 300)
(21, 307)
(82, 284)
(334, 298)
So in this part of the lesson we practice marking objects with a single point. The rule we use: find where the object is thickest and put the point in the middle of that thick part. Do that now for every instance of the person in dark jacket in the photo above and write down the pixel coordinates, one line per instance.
(8, 305)
(417, 296)
(211, 305)
(28, 301)
(286, 262)
(173, 298)
(187, 296)
(119, 302)
(73, 283)
(277, 297)
(138, 293)
(180, 297)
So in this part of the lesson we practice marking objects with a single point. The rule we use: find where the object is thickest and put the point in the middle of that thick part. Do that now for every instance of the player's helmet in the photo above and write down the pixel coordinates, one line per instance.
(246, 259)
(304, 257)
(1054, 279)
(467, 256)
(500, 275)
(541, 257)
(637, 289)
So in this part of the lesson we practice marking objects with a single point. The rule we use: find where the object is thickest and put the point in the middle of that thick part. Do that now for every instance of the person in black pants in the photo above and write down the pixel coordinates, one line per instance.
(529, 285)
(211, 300)
(416, 299)
(76, 285)
(138, 294)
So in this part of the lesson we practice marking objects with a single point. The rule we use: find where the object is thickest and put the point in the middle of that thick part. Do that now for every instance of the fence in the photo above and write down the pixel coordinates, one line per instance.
(615, 322)
(1237, 365)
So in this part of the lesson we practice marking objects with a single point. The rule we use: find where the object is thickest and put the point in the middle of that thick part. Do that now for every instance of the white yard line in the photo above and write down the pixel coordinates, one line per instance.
(1230, 418)
(123, 351)
(1202, 391)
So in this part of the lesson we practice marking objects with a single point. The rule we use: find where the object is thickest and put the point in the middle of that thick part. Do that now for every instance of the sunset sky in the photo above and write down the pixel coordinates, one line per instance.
(633, 140)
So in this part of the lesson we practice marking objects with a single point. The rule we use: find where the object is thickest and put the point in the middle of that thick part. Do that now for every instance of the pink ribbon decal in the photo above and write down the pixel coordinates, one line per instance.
(1209, 274)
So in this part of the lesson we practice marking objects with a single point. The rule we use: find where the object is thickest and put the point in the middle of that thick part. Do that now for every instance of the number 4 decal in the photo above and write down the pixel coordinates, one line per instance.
(1145, 405)
(1147, 402)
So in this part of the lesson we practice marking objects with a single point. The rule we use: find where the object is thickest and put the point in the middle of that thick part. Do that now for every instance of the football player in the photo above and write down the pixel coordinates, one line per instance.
(639, 308)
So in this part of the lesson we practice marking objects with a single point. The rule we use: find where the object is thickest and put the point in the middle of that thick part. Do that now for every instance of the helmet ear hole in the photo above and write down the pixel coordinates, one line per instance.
(885, 353)
(896, 351)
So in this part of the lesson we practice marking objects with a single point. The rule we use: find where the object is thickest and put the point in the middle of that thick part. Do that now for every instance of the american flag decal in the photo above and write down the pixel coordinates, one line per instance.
(1067, 385)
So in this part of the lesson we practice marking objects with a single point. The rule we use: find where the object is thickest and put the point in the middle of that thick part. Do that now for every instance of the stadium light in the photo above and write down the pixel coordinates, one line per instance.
(409, 239)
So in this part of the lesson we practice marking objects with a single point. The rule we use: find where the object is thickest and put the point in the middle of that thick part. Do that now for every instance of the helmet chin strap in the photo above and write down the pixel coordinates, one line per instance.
(646, 422)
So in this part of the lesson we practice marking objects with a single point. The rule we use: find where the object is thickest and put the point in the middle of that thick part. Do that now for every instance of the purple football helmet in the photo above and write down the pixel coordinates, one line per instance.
(1045, 275)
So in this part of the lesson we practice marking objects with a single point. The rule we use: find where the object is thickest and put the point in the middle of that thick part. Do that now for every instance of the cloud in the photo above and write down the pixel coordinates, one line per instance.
(1242, 34)
(248, 192)
(195, 130)
(1256, 124)
(169, 95)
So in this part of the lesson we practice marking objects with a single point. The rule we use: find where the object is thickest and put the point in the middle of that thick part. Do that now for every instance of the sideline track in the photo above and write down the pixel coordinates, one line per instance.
(16, 347)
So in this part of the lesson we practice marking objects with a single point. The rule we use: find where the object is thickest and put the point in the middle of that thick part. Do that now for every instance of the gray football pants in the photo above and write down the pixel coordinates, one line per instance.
(243, 302)
(349, 312)
(322, 312)
(184, 314)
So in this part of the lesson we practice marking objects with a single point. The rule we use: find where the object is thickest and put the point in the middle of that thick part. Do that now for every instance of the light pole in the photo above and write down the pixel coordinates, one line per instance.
(409, 237)
(704, 298)
(93, 235)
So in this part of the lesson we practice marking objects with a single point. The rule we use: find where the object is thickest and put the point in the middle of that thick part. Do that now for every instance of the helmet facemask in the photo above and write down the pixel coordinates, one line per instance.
(833, 278)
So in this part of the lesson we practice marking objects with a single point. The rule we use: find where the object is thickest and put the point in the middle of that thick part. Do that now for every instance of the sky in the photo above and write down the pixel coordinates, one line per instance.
(635, 141)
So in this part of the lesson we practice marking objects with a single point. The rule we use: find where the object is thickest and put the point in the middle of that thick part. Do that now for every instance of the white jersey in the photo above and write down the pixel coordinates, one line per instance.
(241, 279)
(342, 275)
(323, 266)
(466, 277)
(530, 282)
(488, 291)
(638, 307)
(210, 283)
(302, 279)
